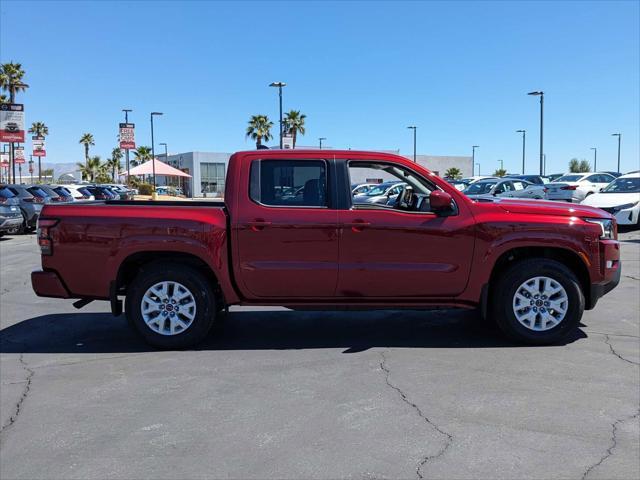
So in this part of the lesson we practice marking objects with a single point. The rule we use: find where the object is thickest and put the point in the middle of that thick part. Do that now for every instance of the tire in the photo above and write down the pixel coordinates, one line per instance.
(545, 326)
(160, 328)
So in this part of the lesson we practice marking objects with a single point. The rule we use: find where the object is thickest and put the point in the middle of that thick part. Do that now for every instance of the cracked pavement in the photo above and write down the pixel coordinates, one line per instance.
(281, 394)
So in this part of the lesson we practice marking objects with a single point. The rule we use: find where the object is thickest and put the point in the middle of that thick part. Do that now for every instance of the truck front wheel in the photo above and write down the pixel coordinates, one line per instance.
(537, 301)
(171, 305)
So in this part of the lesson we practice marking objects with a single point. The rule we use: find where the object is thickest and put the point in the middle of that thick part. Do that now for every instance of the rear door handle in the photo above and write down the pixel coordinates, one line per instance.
(258, 225)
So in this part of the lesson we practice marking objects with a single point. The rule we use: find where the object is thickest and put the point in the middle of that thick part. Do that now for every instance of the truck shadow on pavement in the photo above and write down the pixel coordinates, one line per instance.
(267, 330)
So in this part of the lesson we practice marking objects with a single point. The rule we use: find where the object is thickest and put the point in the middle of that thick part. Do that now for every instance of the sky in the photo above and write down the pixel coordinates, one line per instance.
(361, 72)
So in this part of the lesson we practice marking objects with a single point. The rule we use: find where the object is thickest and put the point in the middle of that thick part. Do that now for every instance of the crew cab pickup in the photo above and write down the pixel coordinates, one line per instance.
(289, 232)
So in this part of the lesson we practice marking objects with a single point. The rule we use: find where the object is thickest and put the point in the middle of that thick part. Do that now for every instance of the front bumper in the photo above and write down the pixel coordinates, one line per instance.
(10, 223)
(610, 270)
(48, 284)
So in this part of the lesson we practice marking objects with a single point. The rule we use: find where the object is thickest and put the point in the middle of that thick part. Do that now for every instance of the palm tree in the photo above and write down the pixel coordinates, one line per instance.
(87, 140)
(500, 172)
(3, 99)
(259, 129)
(574, 165)
(91, 168)
(142, 154)
(11, 75)
(294, 124)
(454, 173)
(114, 162)
(39, 129)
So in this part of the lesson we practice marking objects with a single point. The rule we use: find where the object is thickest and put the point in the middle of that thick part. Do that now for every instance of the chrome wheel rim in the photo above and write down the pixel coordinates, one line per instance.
(540, 303)
(168, 308)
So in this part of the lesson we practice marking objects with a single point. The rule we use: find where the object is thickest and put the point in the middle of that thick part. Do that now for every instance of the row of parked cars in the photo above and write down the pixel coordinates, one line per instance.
(20, 205)
(615, 193)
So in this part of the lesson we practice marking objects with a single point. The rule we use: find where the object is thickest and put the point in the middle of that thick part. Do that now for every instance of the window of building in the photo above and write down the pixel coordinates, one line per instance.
(296, 183)
(212, 178)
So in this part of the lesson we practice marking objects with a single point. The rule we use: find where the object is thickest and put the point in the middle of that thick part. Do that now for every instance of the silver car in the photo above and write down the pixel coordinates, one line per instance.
(382, 193)
(509, 188)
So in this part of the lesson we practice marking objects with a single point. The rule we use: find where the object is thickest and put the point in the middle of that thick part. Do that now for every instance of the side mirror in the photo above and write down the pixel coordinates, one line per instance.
(440, 202)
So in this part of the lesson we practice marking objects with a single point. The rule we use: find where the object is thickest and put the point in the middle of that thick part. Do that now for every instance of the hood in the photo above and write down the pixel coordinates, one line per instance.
(547, 207)
(606, 200)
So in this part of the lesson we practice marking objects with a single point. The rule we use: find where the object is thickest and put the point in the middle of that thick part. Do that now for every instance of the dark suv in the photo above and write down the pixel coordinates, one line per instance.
(30, 204)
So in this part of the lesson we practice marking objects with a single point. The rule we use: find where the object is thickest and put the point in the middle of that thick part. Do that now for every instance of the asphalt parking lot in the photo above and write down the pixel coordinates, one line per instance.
(281, 394)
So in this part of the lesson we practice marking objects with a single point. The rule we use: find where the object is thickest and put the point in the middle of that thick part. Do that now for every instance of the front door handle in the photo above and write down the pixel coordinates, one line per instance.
(258, 225)
(359, 225)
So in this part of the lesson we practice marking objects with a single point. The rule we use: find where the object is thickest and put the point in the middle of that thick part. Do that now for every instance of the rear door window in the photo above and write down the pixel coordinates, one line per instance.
(38, 192)
(6, 193)
(289, 183)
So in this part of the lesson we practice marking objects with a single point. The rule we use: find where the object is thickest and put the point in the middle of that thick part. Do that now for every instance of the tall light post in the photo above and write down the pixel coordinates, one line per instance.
(595, 159)
(473, 158)
(414, 128)
(619, 135)
(279, 85)
(524, 136)
(126, 150)
(153, 155)
(541, 95)
(166, 155)
(501, 164)
(320, 140)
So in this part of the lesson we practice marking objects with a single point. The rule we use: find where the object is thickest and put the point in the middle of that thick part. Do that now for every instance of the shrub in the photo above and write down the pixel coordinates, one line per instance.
(145, 189)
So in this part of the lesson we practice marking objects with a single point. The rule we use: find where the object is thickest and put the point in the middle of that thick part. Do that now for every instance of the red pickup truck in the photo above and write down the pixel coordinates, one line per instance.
(290, 232)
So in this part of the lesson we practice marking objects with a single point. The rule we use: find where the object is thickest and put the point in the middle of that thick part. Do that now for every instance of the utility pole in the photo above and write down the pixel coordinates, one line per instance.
(126, 150)
(279, 85)
(619, 135)
(414, 128)
(153, 156)
(595, 159)
(524, 136)
(541, 95)
(321, 139)
(473, 158)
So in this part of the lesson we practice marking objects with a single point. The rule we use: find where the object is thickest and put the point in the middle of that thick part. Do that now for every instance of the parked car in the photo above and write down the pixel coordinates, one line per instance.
(80, 192)
(101, 192)
(508, 187)
(30, 205)
(621, 198)
(382, 193)
(361, 188)
(459, 184)
(123, 192)
(537, 179)
(574, 187)
(49, 194)
(613, 174)
(63, 192)
(10, 216)
(531, 266)
(553, 177)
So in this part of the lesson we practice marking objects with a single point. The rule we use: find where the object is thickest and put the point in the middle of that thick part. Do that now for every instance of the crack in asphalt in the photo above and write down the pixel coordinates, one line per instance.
(612, 334)
(612, 446)
(606, 340)
(631, 277)
(405, 399)
(23, 396)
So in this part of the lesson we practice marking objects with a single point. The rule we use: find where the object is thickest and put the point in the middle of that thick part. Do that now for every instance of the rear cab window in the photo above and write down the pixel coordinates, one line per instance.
(289, 183)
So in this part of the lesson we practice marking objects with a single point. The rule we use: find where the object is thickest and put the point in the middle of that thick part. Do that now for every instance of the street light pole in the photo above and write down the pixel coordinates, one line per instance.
(595, 159)
(166, 154)
(414, 128)
(31, 167)
(541, 95)
(321, 139)
(501, 164)
(279, 85)
(524, 135)
(153, 155)
(473, 158)
(619, 135)
(126, 150)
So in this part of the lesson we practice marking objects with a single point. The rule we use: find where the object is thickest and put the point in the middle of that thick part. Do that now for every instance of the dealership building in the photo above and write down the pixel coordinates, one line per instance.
(208, 170)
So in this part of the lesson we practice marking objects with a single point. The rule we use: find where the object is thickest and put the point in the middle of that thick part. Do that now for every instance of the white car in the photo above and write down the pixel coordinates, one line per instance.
(78, 192)
(575, 187)
(621, 198)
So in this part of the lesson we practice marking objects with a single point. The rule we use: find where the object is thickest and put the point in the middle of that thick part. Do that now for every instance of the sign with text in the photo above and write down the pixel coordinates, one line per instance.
(12, 122)
(18, 153)
(4, 159)
(38, 147)
(127, 136)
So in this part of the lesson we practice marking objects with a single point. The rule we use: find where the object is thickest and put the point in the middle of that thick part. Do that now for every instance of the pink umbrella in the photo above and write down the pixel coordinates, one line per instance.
(162, 169)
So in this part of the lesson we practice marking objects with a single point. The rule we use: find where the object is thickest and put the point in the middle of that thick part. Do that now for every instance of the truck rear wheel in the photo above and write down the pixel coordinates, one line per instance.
(537, 301)
(171, 305)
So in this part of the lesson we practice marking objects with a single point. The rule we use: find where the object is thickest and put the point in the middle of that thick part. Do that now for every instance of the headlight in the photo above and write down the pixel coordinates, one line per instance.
(625, 206)
(605, 224)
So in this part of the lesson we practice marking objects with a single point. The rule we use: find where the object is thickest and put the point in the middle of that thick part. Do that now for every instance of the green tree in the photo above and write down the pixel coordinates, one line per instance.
(141, 154)
(454, 173)
(39, 129)
(11, 75)
(574, 165)
(294, 124)
(259, 129)
(584, 166)
(88, 141)
(114, 162)
(500, 172)
(91, 168)
(3, 99)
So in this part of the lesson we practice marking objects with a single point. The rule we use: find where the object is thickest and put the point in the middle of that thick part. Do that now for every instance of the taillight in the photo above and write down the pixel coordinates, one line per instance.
(569, 187)
(44, 227)
(3, 199)
(34, 199)
(545, 189)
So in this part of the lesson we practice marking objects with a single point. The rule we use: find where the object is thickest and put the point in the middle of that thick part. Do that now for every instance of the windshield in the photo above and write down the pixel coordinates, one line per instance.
(479, 188)
(379, 190)
(569, 178)
(623, 185)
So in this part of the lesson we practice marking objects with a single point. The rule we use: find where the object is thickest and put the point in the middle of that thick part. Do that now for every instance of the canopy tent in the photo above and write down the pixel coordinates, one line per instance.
(162, 169)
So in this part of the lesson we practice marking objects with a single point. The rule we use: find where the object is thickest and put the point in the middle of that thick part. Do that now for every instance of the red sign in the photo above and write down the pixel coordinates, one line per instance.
(38, 147)
(18, 155)
(12, 122)
(4, 160)
(127, 136)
